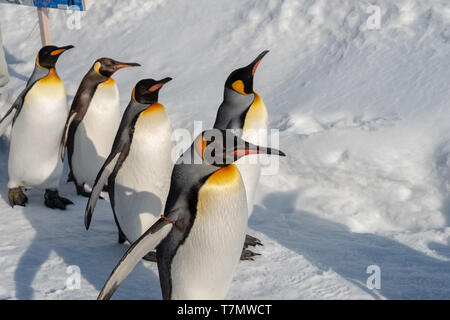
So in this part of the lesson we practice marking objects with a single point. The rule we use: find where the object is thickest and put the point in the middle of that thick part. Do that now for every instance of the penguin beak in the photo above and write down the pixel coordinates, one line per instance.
(238, 153)
(243, 148)
(254, 65)
(159, 85)
(121, 65)
(61, 50)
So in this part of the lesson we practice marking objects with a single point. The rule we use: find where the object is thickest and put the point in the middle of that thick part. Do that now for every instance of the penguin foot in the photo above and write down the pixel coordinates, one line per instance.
(17, 197)
(54, 201)
(247, 255)
(151, 256)
(251, 241)
(82, 192)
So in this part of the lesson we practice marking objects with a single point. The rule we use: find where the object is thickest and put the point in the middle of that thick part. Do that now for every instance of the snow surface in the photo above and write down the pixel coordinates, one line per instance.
(363, 116)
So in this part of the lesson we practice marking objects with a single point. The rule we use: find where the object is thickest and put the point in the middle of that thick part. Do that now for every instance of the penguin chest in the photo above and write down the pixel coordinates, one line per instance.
(254, 131)
(95, 134)
(36, 135)
(142, 183)
(255, 123)
(204, 264)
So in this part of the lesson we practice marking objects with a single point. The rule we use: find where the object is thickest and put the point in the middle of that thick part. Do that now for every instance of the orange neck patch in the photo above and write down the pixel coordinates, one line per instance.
(257, 115)
(52, 77)
(227, 175)
(109, 82)
(153, 108)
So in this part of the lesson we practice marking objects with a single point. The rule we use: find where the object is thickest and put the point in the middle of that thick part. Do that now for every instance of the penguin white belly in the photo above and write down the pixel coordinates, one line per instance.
(250, 172)
(254, 131)
(95, 134)
(204, 264)
(142, 184)
(36, 135)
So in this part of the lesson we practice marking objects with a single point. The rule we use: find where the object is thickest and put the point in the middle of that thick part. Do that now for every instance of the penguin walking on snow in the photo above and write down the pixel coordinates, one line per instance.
(92, 123)
(244, 112)
(38, 117)
(199, 238)
(139, 167)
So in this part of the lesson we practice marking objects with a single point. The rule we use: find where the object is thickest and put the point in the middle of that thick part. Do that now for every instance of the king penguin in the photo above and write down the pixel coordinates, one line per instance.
(92, 123)
(199, 238)
(139, 166)
(38, 117)
(244, 112)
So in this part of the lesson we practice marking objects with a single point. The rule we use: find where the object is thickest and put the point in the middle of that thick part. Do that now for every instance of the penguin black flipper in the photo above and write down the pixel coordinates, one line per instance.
(16, 107)
(119, 152)
(107, 169)
(177, 211)
(72, 115)
(148, 241)
(78, 110)
(12, 113)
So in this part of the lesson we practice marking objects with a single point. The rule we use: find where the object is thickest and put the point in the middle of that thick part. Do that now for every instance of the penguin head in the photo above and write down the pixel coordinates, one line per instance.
(146, 91)
(241, 80)
(221, 148)
(48, 56)
(107, 66)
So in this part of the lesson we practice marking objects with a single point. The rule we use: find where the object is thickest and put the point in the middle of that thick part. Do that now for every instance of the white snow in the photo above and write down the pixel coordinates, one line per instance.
(364, 120)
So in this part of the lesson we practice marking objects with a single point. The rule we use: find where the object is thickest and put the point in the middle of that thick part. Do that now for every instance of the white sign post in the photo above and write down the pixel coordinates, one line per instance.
(44, 26)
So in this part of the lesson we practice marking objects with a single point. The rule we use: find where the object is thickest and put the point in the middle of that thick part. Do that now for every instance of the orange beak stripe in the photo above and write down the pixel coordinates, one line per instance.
(121, 66)
(255, 67)
(56, 52)
(156, 87)
(240, 153)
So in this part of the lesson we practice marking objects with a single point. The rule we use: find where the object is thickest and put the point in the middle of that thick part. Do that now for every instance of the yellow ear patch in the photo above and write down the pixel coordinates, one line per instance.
(37, 62)
(200, 146)
(97, 66)
(238, 86)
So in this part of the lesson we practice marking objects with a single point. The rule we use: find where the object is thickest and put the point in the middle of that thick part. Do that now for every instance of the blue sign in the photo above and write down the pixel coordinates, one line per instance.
(56, 4)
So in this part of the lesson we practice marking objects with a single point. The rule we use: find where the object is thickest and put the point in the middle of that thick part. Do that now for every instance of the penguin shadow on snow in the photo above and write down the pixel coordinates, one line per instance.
(11, 60)
(405, 272)
(142, 201)
(96, 252)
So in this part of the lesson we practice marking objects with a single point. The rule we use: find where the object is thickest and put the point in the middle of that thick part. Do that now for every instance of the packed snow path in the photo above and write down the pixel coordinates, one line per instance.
(363, 117)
